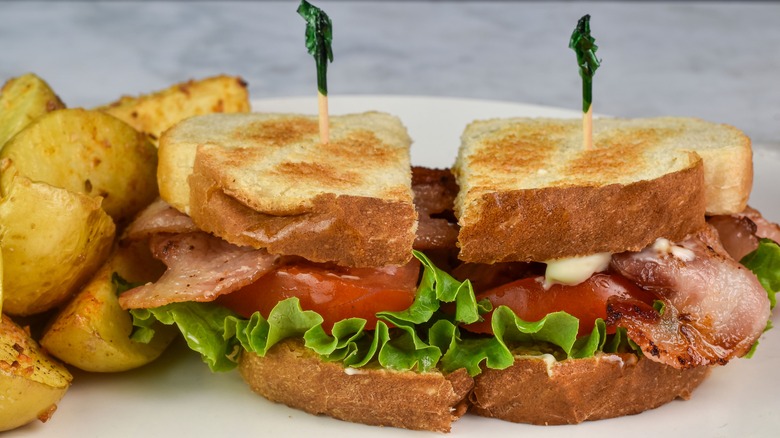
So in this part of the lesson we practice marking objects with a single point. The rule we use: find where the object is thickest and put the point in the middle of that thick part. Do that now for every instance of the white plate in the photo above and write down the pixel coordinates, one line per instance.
(177, 396)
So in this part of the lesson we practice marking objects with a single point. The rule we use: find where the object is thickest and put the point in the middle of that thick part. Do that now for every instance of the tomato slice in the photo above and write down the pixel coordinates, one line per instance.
(335, 293)
(586, 301)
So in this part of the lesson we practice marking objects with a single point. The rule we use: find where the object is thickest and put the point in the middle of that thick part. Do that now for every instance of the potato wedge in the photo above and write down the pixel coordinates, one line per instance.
(31, 384)
(52, 241)
(23, 100)
(93, 332)
(156, 112)
(87, 152)
(1, 280)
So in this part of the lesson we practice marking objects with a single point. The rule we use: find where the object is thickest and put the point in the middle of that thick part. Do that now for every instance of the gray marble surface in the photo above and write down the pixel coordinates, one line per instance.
(719, 61)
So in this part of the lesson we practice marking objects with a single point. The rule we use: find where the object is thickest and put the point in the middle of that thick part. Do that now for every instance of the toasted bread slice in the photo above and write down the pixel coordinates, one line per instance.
(266, 181)
(530, 192)
(296, 376)
(536, 391)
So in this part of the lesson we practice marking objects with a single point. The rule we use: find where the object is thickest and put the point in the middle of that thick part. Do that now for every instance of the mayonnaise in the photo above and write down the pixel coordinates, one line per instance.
(574, 270)
(664, 246)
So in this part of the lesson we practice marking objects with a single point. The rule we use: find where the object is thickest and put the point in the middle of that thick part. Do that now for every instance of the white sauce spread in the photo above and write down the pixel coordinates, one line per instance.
(548, 359)
(353, 371)
(664, 246)
(613, 358)
(574, 270)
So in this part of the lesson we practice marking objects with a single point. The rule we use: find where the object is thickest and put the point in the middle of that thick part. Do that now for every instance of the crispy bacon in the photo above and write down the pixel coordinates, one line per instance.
(740, 232)
(764, 228)
(715, 309)
(737, 234)
(434, 197)
(201, 267)
(158, 217)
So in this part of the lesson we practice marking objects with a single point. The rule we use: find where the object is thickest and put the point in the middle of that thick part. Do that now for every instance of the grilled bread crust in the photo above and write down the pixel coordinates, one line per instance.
(576, 390)
(529, 192)
(347, 230)
(265, 180)
(556, 222)
(533, 390)
(291, 374)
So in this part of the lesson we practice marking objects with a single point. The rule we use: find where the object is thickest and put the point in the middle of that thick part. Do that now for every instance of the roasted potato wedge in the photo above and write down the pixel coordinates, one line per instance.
(87, 152)
(31, 384)
(93, 332)
(156, 112)
(52, 241)
(1, 280)
(23, 100)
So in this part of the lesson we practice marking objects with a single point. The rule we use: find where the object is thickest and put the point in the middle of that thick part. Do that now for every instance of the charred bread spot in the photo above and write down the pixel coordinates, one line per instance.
(279, 132)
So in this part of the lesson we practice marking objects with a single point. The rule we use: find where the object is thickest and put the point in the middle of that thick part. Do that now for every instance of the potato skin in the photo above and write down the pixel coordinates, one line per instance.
(31, 384)
(53, 240)
(87, 152)
(156, 112)
(93, 332)
(22, 100)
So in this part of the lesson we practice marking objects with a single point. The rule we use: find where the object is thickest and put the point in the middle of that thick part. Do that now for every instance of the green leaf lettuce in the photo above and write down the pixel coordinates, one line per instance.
(422, 338)
(764, 262)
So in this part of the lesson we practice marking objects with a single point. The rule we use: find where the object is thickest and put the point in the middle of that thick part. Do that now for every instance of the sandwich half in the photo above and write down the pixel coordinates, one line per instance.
(616, 237)
(289, 248)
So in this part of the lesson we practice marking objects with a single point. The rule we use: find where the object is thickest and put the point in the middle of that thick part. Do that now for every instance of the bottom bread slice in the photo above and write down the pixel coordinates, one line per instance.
(539, 391)
(291, 374)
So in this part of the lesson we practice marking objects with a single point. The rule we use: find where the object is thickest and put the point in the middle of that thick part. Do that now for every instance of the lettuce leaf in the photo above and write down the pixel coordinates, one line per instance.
(203, 327)
(436, 287)
(422, 337)
(764, 262)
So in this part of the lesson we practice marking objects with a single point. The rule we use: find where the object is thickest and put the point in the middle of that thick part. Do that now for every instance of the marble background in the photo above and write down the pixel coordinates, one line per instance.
(719, 61)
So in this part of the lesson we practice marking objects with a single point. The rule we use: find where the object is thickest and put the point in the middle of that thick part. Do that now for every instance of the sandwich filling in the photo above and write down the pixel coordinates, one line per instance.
(683, 304)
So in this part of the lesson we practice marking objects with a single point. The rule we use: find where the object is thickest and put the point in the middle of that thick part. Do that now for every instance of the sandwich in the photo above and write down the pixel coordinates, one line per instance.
(289, 248)
(342, 281)
(620, 241)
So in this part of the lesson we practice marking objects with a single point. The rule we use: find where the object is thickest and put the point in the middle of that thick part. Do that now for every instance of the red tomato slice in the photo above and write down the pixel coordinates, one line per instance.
(585, 301)
(335, 293)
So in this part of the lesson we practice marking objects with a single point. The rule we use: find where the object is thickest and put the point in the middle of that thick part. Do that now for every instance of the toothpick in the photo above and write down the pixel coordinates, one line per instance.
(587, 129)
(585, 47)
(322, 101)
(319, 36)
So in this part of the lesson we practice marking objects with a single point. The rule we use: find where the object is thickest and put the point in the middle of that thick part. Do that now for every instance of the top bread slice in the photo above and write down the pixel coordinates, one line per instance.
(266, 180)
(530, 192)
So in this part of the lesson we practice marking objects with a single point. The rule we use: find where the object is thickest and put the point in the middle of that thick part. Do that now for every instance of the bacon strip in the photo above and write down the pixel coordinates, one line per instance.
(764, 228)
(740, 232)
(434, 197)
(158, 217)
(715, 308)
(737, 234)
(201, 267)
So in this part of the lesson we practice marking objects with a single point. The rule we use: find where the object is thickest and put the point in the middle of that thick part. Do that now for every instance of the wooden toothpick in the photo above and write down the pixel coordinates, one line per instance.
(319, 36)
(584, 46)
